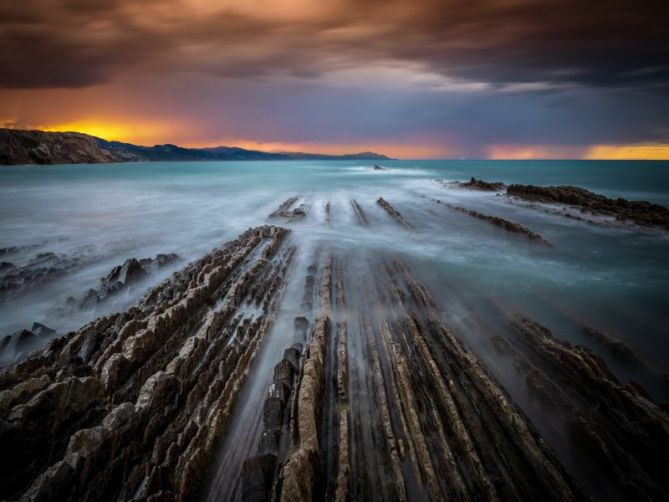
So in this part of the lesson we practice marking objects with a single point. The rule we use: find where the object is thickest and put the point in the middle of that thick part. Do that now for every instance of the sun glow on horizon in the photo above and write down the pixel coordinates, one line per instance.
(142, 134)
(628, 152)
(591, 152)
(185, 135)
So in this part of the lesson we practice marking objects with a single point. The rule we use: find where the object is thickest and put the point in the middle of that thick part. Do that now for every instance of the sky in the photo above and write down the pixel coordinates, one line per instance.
(407, 78)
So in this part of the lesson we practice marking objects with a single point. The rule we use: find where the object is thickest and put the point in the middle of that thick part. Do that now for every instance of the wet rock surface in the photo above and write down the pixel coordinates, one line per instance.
(372, 397)
(16, 346)
(507, 225)
(391, 407)
(394, 213)
(290, 211)
(359, 213)
(131, 405)
(476, 184)
(42, 269)
(619, 432)
(122, 278)
(638, 212)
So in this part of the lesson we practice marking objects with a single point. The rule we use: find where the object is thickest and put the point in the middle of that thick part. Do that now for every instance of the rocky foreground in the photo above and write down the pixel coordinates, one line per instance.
(369, 395)
(130, 406)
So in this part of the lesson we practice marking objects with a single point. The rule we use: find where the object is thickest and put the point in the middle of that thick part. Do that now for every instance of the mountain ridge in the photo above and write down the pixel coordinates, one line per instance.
(19, 146)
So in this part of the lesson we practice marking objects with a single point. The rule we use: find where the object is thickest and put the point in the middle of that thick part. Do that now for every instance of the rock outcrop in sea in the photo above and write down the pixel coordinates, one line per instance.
(505, 224)
(639, 212)
(43, 268)
(121, 278)
(478, 184)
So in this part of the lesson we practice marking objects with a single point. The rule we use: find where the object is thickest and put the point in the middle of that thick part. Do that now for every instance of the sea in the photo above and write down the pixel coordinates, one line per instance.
(604, 275)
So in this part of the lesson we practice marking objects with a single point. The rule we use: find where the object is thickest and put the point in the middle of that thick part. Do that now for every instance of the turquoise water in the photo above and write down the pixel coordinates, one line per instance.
(613, 278)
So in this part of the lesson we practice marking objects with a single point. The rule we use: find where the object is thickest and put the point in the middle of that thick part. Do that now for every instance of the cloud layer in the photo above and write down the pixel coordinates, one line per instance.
(465, 74)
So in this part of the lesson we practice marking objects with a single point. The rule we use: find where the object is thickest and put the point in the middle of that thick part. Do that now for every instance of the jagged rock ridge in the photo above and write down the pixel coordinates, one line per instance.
(639, 212)
(131, 405)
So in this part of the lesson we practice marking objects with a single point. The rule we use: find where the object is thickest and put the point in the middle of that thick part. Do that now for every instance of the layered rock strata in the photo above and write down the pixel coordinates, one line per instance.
(130, 406)
(392, 407)
(122, 278)
(394, 213)
(620, 434)
(290, 212)
(359, 213)
(638, 212)
(507, 225)
(43, 268)
(477, 184)
(17, 345)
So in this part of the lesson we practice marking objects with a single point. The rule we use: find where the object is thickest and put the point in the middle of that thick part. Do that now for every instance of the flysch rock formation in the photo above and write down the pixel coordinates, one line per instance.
(290, 212)
(394, 213)
(507, 225)
(328, 212)
(41, 269)
(16, 346)
(638, 212)
(619, 432)
(389, 407)
(372, 398)
(359, 213)
(130, 406)
(122, 278)
(478, 184)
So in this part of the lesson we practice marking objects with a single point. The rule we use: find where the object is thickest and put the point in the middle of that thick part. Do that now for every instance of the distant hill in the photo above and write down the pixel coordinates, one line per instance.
(41, 147)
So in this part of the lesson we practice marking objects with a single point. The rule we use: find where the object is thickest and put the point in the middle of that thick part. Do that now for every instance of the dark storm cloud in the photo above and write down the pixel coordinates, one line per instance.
(73, 43)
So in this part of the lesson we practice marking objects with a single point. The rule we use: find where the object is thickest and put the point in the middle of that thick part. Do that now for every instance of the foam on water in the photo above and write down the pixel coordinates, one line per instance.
(610, 277)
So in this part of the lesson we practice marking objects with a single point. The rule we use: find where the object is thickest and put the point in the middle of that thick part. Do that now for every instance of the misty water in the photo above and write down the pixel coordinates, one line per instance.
(611, 277)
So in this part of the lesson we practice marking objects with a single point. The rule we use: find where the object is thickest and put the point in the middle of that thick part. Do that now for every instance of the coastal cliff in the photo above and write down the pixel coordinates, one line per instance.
(42, 147)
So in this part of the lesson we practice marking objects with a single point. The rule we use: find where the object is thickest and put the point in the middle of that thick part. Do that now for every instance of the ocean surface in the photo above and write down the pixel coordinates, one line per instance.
(613, 278)
(610, 277)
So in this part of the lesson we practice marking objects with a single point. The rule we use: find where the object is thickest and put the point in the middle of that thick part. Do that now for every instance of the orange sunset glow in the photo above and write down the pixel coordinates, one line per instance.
(411, 79)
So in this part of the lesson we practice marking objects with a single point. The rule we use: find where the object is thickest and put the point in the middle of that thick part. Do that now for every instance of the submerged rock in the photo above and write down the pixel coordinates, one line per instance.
(359, 213)
(288, 212)
(5, 267)
(394, 213)
(123, 277)
(42, 269)
(40, 329)
(507, 225)
(18, 345)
